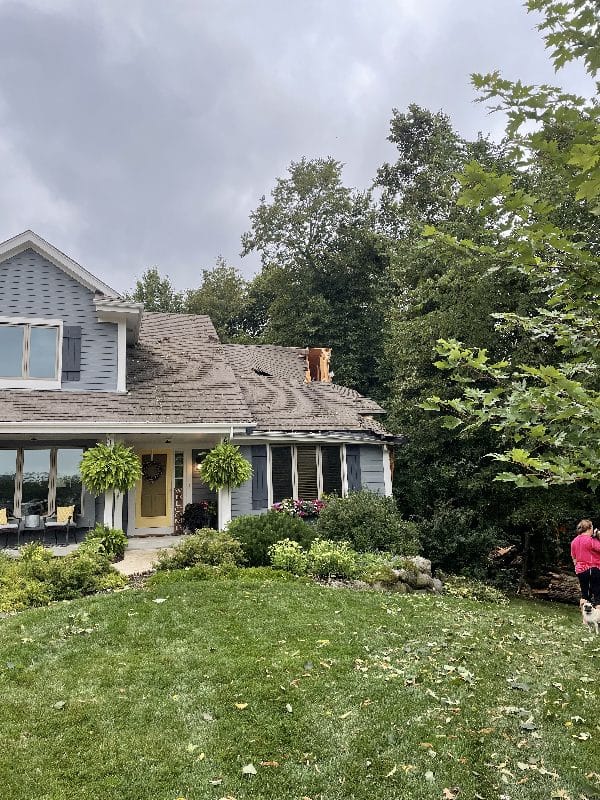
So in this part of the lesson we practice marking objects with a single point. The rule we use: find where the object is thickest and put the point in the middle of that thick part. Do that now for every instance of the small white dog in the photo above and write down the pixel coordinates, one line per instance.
(591, 616)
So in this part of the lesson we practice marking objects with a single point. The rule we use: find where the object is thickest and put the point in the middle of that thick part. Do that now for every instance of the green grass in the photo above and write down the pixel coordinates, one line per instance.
(349, 695)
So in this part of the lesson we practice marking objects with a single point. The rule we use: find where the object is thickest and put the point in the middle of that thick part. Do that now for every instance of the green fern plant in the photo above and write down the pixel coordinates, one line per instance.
(105, 467)
(225, 467)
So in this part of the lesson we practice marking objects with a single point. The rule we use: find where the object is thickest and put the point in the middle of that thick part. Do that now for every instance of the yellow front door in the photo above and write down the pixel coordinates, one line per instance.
(154, 496)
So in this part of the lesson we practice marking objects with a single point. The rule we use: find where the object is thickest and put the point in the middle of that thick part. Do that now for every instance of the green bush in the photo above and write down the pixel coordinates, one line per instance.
(377, 567)
(257, 532)
(289, 555)
(112, 541)
(206, 546)
(76, 575)
(460, 586)
(458, 540)
(329, 559)
(369, 522)
(38, 577)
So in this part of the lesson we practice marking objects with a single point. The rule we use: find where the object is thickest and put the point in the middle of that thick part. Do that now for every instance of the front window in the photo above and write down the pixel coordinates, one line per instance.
(37, 481)
(30, 352)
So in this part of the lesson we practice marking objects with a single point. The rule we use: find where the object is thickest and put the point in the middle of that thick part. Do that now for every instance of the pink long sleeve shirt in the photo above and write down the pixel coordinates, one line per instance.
(585, 552)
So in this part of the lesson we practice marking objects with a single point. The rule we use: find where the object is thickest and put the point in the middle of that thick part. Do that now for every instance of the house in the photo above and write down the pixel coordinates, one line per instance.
(80, 364)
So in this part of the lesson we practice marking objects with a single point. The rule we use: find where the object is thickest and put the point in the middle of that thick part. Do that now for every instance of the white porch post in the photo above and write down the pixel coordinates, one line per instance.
(224, 508)
(109, 494)
(109, 497)
(118, 510)
(387, 472)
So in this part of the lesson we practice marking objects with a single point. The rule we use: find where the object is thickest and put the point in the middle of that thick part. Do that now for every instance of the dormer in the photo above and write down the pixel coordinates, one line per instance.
(60, 326)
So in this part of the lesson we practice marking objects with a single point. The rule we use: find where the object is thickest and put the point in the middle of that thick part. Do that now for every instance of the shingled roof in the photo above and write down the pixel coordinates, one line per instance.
(274, 387)
(179, 373)
(176, 373)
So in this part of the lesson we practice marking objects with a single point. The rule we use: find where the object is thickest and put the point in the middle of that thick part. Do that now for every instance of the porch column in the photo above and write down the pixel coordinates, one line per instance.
(109, 497)
(387, 471)
(224, 508)
(118, 511)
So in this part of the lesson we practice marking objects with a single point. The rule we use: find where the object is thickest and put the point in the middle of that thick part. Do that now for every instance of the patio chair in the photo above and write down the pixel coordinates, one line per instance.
(9, 524)
(61, 521)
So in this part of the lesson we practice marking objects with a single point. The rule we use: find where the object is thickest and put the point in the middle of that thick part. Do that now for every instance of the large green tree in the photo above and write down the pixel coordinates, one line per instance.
(324, 270)
(547, 413)
(222, 295)
(156, 293)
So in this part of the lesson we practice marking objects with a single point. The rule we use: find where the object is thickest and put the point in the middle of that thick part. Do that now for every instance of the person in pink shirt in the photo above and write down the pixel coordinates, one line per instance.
(585, 552)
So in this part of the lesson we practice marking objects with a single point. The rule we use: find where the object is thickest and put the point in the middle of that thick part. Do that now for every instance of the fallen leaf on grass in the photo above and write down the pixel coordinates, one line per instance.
(248, 770)
(241, 706)
(346, 715)
(207, 717)
(269, 763)
(160, 600)
(450, 794)
(392, 771)
(429, 776)
(288, 708)
(61, 704)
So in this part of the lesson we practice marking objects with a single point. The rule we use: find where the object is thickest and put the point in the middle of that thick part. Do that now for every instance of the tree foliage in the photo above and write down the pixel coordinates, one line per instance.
(222, 295)
(156, 293)
(325, 269)
(546, 412)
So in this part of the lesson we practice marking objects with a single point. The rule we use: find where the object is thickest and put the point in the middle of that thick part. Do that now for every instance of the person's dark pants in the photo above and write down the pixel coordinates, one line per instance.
(590, 585)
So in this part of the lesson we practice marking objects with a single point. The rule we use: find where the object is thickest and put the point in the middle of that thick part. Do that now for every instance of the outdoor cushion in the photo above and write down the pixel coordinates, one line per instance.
(64, 514)
(3, 517)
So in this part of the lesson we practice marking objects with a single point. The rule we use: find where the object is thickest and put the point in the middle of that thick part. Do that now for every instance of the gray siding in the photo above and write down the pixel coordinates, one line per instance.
(31, 286)
(241, 498)
(371, 468)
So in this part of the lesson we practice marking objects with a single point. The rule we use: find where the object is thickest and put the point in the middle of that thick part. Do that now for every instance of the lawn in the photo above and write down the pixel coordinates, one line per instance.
(323, 693)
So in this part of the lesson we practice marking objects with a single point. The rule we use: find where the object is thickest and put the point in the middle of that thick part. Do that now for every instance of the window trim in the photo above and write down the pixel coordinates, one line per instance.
(319, 466)
(25, 382)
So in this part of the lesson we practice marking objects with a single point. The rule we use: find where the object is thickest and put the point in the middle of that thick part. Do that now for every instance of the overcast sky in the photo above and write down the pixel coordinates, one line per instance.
(142, 132)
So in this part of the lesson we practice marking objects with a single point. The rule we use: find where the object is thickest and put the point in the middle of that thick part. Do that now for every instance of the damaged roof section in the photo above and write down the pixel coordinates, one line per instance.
(274, 384)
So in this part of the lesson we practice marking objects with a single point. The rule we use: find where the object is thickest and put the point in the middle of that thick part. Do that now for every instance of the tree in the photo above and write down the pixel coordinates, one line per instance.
(324, 275)
(222, 295)
(548, 413)
(156, 293)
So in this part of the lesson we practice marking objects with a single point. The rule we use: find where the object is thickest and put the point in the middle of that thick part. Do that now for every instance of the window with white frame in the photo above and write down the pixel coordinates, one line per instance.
(305, 471)
(30, 352)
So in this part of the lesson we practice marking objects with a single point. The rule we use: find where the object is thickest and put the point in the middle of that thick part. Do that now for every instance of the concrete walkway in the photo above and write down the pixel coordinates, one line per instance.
(141, 554)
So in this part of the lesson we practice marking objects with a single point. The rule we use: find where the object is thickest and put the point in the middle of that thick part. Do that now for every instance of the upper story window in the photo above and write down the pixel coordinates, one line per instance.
(30, 353)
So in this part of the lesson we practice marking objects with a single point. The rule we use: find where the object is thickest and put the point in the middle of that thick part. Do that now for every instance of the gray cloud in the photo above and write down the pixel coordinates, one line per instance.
(145, 132)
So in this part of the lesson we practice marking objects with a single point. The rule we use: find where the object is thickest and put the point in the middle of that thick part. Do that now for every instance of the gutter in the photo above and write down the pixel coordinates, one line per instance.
(106, 426)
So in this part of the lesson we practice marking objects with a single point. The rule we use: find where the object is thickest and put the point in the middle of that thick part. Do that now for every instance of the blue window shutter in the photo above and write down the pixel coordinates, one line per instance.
(71, 353)
(260, 494)
(353, 467)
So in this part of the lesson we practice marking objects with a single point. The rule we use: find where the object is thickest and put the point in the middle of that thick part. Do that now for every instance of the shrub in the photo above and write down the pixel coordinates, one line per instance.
(257, 532)
(458, 540)
(78, 574)
(460, 586)
(111, 541)
(369, 522)
(206, 546)
(199, 515)
(288, 555)
(377, 567)
(328, 559)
